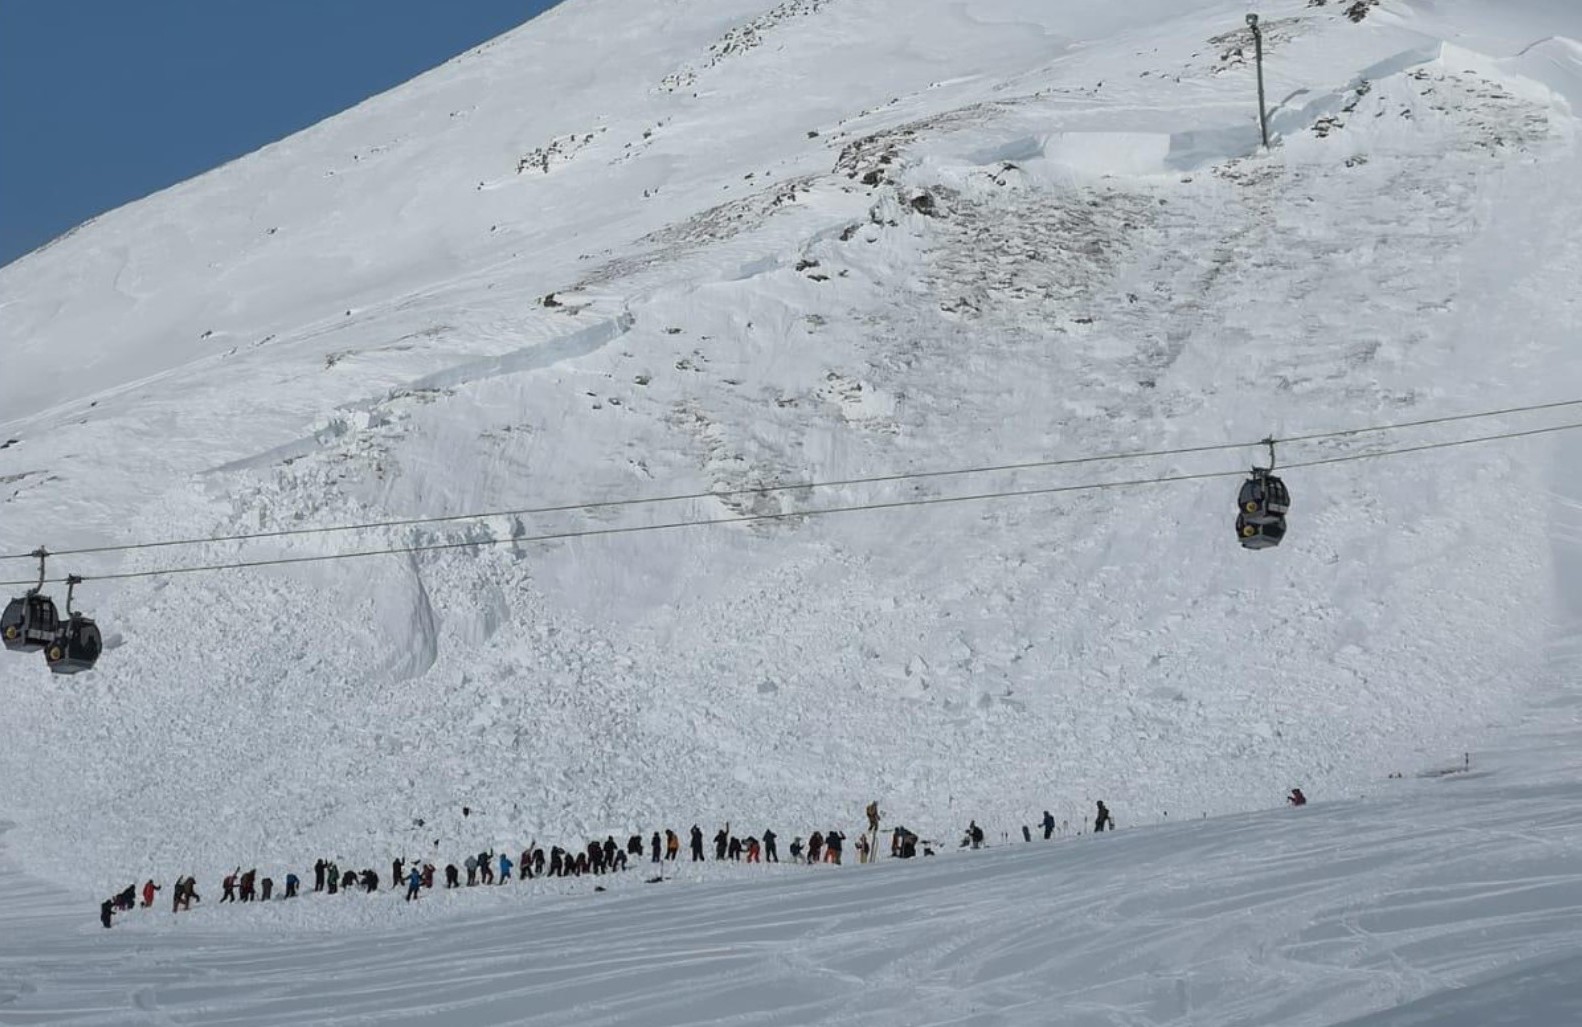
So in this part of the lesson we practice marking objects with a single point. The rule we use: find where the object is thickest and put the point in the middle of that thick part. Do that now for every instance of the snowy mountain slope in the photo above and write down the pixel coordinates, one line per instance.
(1450, 901)
(350, 326)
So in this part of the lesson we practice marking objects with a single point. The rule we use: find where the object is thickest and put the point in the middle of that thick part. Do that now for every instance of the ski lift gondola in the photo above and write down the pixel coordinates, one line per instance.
(76, 646)
(30, 621)
(1261, 507)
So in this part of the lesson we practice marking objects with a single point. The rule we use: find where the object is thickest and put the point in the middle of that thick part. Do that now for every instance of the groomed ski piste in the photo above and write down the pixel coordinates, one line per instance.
(638, 249)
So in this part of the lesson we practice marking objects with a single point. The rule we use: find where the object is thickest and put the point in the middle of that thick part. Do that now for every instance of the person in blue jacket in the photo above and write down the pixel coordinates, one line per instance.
(414, 881)
(505, 868)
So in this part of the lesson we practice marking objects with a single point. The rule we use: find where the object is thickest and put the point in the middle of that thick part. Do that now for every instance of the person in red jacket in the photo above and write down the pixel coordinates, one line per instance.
(1296, 798)
(149, 888)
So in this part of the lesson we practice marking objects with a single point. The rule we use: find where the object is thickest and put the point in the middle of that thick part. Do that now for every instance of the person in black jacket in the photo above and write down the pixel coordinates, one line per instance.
(770, 855)
(1048, 824)
(653, 844)
(722, 841)
(1103, 819)
(697, 844)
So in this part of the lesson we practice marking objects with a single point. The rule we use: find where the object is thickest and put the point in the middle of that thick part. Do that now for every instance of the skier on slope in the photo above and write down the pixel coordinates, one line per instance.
(414, 881)
(1103, 819)
(505, 868)
(1048, 824)
(697, 844)
(149, 888)
(1296, 798)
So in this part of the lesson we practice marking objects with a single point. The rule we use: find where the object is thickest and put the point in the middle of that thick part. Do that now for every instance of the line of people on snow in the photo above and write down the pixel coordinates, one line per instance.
(490, 868)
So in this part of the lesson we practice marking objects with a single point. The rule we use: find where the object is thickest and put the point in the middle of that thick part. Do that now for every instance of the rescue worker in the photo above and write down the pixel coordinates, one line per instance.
(1103, 819)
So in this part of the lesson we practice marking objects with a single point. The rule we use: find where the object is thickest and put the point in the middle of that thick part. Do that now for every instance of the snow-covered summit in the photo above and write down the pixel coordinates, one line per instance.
(642, 248)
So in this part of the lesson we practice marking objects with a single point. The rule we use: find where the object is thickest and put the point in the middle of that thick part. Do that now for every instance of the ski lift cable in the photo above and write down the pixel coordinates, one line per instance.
(580, 533)
(1402, 425)
(761, 490)
(605, 504)
(1426, 446)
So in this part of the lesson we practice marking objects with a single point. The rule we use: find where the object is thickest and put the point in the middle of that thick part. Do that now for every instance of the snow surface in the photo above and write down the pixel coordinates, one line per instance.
(1448, 900)
(820, 240)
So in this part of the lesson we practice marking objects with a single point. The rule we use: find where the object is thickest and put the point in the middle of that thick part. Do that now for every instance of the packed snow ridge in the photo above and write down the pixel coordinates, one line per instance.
(639, 249)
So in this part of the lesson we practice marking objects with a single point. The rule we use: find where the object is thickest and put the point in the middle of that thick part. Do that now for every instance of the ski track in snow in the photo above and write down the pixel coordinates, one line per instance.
(822, 241)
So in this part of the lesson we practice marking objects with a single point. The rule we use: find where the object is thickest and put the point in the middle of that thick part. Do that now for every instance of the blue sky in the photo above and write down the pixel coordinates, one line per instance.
(105, 101)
